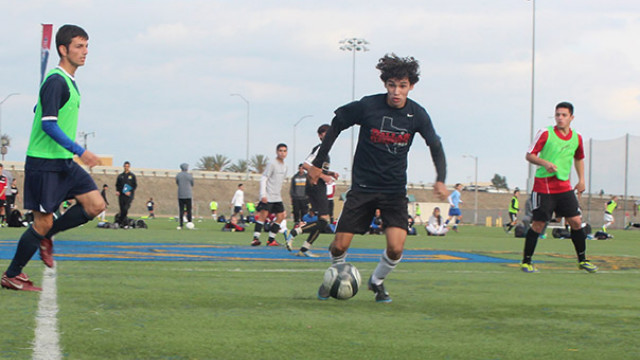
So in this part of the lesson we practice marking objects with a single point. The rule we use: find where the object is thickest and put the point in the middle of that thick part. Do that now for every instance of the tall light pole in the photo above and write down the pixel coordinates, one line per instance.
(248, 112)
(475, 215)
(533, 79)
(3, 146)
(354, 45)
(85, 135)
(293, 158)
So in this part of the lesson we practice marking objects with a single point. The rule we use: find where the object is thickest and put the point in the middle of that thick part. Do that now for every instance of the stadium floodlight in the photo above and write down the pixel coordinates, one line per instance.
(293, 157)
(354, 45)
(475, 215)
(84, 135)
(248, 112)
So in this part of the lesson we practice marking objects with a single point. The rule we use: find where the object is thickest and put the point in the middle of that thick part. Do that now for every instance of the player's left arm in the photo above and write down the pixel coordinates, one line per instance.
(580, 185)
(579, 166)
(438, 157)
(263, 183)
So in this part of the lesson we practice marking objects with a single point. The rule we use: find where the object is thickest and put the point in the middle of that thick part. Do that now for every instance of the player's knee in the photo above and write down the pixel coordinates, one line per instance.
(394, 253)
(94, 208)
(337, 248)
(537, 226)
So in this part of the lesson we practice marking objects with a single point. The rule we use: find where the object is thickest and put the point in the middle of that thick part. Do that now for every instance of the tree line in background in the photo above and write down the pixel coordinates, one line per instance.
(258, 163)
(219, 162)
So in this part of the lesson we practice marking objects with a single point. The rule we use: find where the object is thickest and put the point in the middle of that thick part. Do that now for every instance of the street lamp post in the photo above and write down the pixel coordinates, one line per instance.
(84, 135)
(475, 215)
(4, 149)
(533, 77)
(354, 45)
(248, 112)
(293, 158)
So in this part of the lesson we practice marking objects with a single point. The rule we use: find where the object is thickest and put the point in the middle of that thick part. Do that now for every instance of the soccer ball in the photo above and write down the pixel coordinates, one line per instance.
(342, 280)
(190, 225)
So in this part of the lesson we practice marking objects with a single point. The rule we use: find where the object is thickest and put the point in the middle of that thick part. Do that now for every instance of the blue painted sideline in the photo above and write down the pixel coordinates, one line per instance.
(119, 251)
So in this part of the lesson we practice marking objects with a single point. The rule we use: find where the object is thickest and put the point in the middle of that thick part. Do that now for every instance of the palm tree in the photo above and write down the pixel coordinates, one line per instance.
(259, 163)
(218, 162)
(206, 163)
(241, 166)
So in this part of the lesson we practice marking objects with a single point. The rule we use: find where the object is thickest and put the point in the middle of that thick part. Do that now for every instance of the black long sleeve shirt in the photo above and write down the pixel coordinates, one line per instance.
(386, 134)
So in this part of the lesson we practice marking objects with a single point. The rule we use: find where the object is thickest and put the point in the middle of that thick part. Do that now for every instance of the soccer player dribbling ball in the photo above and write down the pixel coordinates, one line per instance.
(388, 123)
(554, 150)
(51, 175)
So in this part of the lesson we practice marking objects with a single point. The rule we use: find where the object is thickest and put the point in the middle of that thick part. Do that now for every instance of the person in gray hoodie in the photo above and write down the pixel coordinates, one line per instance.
(185, 184)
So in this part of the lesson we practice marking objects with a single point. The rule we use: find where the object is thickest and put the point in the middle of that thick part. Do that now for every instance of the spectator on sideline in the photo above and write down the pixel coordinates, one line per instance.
(184, 180)
(126, 185)
(435, 225)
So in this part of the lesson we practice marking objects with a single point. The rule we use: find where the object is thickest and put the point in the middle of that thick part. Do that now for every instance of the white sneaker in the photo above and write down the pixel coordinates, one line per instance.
(307, 253)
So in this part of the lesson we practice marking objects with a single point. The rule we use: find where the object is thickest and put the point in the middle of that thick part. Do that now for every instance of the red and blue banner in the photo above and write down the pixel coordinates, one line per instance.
(47, 31)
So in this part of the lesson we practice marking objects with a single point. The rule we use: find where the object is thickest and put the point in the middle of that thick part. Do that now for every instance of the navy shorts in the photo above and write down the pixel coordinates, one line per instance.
(49, 182)
(454, 211)
(360, 208)
(317, 195)
(272, 207)
(563, 205)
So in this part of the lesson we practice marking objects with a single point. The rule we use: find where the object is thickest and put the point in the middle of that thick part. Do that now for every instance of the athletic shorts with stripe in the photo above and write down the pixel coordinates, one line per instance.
(360, 207)
(562, 204)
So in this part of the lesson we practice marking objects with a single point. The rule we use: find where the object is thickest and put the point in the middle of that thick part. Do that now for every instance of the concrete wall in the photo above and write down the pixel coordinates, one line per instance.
(160, 184)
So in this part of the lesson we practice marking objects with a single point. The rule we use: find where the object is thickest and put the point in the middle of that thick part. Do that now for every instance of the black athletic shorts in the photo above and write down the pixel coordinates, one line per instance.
(563, 205)
(49, 182)
(317, 195)
(271, 207)
(360, 207)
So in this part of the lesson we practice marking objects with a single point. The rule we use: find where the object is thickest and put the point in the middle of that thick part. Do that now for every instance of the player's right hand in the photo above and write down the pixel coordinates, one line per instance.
(314, 174)
(440, 189)
(90, 159)
(550, 167)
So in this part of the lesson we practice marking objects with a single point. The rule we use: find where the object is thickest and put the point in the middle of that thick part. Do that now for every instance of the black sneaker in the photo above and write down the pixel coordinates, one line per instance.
(381, 294)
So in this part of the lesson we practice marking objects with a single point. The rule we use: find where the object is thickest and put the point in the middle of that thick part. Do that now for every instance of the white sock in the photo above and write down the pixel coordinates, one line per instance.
(385, 266)
(283, 226)
(339, 259)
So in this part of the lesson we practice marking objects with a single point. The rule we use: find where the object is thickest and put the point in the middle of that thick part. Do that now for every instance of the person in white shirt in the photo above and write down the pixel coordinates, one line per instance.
(238, 200)
(435, 225)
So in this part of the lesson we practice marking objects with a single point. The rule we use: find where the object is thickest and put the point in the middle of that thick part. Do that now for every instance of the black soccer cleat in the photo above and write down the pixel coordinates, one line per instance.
(381, 294)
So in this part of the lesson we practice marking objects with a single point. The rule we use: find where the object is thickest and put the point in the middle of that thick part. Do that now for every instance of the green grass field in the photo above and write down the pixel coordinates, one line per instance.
(269, 310)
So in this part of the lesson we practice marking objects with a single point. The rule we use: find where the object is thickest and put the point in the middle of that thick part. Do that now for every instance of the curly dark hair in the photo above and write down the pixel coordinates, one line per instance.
(392, 66)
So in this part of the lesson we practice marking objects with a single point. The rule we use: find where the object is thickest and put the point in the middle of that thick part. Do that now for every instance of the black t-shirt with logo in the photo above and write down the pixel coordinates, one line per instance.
(386, 134)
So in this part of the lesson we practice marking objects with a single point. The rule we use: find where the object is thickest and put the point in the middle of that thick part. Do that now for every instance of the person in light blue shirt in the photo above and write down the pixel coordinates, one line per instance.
(454, 208)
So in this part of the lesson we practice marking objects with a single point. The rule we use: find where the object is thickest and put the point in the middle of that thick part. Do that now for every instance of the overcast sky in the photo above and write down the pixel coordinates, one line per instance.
(157, 82)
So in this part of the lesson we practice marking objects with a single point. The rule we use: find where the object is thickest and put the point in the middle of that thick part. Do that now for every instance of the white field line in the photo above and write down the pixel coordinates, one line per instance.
(46, 345)
(506, 271)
